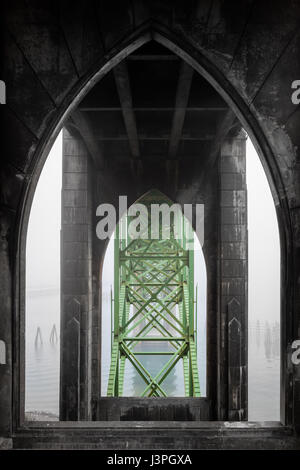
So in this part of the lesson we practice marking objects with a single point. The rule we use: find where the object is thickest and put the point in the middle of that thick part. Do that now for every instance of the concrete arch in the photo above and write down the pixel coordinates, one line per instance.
(205, 67)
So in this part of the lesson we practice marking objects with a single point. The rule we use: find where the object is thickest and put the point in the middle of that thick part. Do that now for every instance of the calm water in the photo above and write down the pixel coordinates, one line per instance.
(42, 356)
(42, 362)
(264, 371)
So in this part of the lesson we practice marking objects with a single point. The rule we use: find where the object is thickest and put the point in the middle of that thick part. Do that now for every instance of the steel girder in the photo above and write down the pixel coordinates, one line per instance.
(154, 301)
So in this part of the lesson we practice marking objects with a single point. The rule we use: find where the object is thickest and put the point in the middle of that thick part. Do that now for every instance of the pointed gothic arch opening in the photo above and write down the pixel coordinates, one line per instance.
(80, 146)
(155, 319)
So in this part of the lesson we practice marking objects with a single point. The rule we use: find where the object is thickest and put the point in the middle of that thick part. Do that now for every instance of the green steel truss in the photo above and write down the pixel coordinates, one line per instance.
(154, 304)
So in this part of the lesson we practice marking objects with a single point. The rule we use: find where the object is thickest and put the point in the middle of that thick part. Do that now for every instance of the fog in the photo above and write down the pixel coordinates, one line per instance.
(263, 244)
(43, 238)
(43, 275)
(43, 235)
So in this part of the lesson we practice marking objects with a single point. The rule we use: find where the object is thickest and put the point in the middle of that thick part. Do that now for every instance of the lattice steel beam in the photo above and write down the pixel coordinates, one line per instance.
(154, 303)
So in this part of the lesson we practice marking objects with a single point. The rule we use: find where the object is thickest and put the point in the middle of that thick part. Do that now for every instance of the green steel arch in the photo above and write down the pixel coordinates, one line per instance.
(154, 298)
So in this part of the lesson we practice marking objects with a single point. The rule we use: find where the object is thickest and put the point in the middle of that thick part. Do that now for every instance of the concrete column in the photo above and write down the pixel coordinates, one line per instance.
(76, 281)
(5, 332)
(109, 183)
(233, 278)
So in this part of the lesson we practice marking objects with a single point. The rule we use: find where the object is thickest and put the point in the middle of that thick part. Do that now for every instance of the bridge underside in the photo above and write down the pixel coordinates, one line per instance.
(149, 122)
(154, 122)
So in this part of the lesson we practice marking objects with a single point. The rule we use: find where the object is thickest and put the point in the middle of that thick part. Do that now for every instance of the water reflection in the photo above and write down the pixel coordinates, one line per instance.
(42, 355)
(257, 334)
(264, 371)
(42, 364)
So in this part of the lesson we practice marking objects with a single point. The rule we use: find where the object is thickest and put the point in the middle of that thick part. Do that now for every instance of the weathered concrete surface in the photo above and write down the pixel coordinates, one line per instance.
(233, 278)
(253, 51)
(151, 435)
(76, 281)
(6, 444)
(147, 409)
(5, 328)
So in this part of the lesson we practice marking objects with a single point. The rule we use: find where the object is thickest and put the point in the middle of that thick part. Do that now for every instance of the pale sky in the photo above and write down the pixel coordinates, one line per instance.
(263, 244)
(43, 236)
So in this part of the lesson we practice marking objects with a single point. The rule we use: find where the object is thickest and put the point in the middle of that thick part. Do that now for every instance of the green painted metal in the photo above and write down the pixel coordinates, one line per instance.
(154, 301)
